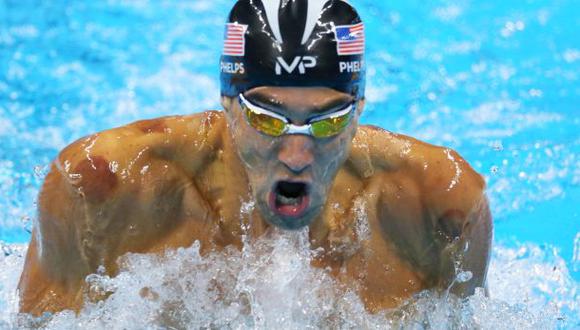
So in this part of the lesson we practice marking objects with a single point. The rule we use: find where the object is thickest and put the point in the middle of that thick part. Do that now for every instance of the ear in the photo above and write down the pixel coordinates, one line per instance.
(360, 106)
(226, 102)
(228, 105)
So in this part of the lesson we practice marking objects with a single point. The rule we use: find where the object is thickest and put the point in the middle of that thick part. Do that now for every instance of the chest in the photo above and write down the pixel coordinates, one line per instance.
(362, 258)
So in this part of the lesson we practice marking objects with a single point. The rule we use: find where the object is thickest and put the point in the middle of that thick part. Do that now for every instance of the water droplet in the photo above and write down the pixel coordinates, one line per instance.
(464, 276)
(113, 166)
(133, 230)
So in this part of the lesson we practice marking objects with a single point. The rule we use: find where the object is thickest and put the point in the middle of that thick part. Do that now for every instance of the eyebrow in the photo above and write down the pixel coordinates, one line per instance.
(265, 101)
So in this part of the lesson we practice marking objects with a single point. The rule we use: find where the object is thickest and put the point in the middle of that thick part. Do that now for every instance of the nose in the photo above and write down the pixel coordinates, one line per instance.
(296, 152)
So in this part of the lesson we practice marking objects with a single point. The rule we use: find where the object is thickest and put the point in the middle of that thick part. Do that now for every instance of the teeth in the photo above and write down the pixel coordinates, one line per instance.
(288, 200)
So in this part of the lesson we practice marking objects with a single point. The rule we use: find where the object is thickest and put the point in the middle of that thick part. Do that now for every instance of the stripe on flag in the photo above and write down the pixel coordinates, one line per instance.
(234, 39)
(350, 39)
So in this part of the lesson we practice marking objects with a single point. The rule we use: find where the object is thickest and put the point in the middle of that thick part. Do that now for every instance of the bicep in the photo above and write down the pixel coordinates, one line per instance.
(60, 212)
(72, 196)
(461, 220)
(54, 268)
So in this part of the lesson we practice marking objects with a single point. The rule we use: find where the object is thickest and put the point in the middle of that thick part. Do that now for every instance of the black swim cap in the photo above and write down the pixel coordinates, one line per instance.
(293, 43)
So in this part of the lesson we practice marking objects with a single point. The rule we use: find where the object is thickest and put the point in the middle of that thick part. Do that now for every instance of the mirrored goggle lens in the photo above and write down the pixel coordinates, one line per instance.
(330, 126)
(264, 123)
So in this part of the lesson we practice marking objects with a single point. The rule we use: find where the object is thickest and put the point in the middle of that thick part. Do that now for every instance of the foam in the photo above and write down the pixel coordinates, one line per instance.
(270, 283)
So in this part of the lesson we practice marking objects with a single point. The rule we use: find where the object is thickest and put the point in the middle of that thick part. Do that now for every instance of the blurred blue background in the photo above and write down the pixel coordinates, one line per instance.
(496, 80)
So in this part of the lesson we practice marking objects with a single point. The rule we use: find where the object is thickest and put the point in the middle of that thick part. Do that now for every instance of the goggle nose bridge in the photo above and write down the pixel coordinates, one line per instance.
(298, 129)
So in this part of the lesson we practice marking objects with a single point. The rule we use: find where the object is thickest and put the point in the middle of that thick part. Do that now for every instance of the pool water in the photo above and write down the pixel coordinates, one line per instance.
(495, 80)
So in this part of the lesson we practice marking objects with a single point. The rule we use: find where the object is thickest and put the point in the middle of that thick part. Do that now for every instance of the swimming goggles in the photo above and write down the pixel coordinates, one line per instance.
(273, 124)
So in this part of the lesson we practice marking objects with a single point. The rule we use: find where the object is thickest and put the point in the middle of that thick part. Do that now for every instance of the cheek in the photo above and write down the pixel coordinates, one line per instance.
(254, 150)
(332, 156)
(252, 157)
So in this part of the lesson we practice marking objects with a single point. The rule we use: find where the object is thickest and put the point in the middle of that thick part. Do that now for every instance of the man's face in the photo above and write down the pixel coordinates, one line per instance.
(291, 174)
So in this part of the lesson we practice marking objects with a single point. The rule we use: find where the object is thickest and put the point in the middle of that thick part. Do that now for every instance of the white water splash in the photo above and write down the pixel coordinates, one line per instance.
(270, 283)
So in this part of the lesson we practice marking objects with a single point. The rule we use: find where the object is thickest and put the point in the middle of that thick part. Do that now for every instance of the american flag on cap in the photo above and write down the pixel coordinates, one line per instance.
(235, 40)
(350, 39)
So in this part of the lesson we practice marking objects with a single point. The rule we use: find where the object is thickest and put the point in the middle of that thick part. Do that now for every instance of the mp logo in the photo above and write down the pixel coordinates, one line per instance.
(300, 62)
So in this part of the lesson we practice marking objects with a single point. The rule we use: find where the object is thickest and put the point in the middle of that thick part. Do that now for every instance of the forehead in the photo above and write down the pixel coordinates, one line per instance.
(301, 99)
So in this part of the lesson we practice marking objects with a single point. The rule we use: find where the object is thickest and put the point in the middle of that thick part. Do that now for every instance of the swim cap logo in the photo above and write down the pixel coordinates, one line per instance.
(302, 62)
(312, 15)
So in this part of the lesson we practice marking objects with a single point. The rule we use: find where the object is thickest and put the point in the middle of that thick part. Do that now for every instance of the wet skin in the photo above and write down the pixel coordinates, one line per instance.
(391, 213)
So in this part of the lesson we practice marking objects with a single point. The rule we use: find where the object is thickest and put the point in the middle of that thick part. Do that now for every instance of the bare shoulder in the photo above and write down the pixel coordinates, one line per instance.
(431, 202)
(444, 179)
(135, 174)
(112, 192)
(163, 137)
(132, 162)
(104, 167)
(145, 167)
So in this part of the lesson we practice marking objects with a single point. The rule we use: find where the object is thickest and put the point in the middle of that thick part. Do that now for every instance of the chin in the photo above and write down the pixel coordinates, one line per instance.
(289, 225)
(287, 222)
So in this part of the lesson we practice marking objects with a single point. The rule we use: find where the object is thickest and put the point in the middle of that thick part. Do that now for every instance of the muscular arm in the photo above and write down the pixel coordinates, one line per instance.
(433, 208)
(123, 190)
(54, 266)
(462, 227)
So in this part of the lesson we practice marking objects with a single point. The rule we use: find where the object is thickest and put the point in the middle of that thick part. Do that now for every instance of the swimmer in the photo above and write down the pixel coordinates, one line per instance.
(288, 140)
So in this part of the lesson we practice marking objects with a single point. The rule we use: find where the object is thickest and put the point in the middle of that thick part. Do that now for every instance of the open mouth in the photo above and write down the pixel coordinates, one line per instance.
(289, 199)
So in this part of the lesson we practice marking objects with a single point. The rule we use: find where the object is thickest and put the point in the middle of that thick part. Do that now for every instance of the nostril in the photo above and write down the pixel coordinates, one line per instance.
(296, 154)
(296, 162)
